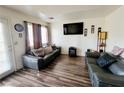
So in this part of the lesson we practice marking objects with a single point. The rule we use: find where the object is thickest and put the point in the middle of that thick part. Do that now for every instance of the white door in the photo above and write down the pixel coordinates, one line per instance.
(6, 53)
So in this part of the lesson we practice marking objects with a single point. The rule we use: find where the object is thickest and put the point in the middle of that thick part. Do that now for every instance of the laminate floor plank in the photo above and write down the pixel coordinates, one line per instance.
(64, 71)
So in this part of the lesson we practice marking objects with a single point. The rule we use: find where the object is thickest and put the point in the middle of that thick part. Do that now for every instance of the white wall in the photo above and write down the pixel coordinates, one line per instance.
(113, 23)
(79, 41)
(19, 43)
(115, 26)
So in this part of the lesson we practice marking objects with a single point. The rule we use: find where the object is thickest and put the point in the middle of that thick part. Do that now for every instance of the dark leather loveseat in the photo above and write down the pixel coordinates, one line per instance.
(100, 77)
(37, 63)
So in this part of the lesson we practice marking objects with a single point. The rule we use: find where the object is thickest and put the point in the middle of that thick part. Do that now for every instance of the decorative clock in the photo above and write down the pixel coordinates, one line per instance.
(19, 27)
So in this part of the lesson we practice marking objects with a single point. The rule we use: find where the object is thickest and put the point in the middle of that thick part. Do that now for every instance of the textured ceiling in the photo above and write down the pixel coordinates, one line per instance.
(45, 12)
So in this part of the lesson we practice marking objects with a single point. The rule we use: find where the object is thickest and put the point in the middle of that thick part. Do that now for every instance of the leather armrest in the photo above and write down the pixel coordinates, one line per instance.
(32, 61)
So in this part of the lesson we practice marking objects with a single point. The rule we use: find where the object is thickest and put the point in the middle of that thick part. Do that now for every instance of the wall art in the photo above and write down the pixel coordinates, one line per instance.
(85, 32)
(92, 29)
(99, 29)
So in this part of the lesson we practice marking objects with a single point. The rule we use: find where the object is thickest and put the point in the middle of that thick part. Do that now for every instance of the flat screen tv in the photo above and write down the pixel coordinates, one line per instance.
(73, 28)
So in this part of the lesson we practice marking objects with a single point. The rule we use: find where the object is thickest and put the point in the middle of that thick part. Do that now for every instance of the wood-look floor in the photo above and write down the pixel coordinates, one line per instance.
(63, 72)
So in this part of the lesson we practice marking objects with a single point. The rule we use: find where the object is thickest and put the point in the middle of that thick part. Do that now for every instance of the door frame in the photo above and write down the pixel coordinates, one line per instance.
(13, 68)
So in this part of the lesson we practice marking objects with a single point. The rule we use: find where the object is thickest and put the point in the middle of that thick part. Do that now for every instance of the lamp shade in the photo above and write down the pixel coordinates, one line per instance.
(103, 35)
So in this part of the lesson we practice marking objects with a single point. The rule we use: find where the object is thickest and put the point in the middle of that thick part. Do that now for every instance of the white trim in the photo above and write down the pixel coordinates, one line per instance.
(13, 64)
(12, 43)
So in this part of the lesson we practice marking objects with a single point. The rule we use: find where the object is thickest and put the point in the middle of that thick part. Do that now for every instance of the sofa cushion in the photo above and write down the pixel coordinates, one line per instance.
(95, 68)
(94, 54)
(105, 60)
(54, 47)
(117, 50)
(48, 50)
(51, 56)
(109, 79)
(38, 52)
(91, 60)
(117, 68)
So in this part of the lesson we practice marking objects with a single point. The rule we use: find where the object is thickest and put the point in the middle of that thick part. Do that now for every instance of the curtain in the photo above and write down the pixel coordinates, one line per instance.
(32, 41)
(49, 35)
(36, 35)
(39, 35)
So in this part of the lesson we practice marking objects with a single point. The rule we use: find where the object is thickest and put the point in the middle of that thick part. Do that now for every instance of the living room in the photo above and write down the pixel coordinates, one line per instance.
(108, 18)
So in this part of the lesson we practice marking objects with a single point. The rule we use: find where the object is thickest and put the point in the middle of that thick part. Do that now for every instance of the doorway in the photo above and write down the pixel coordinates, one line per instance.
(6, 51)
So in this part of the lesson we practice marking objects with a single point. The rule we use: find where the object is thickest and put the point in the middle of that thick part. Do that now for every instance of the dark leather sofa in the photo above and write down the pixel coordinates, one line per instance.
(100, 77)
(38, 63)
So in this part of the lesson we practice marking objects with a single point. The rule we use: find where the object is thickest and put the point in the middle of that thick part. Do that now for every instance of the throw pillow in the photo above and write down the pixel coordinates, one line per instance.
(54, 47)
(105, 60)
(117, 50)
(48, 50)
(38, 52)
(117, 68)
(94, 54)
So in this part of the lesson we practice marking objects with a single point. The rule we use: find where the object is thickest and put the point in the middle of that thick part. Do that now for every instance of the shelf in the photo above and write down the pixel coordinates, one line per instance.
(101, 41)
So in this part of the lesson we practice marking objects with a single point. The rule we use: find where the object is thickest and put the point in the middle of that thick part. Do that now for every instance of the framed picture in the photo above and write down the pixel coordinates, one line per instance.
(92, 29)
(85, 32)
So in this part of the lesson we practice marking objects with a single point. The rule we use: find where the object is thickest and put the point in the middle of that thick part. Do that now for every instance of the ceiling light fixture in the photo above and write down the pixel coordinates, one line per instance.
(51, 17)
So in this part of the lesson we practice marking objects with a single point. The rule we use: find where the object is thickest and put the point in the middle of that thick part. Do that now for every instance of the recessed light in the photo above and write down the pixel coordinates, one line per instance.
(51, 17)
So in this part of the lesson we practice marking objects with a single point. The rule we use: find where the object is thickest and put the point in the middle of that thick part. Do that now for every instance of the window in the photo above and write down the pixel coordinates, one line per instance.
(30, 35)
(37, 36)
(44, 34)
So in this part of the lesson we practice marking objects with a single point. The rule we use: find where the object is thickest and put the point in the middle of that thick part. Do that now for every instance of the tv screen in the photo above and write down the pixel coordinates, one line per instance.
(73, 28)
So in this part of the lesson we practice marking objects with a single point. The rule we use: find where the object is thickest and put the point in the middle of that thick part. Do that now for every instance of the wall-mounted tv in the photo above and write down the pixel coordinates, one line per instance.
(73, 28)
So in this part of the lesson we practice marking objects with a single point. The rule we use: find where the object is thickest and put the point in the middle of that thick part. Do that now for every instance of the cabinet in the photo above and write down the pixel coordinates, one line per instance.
(72, 52)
